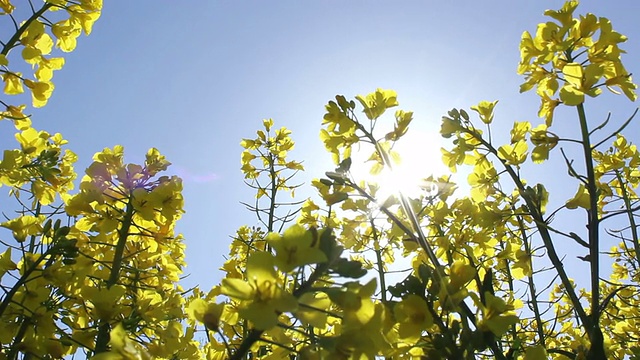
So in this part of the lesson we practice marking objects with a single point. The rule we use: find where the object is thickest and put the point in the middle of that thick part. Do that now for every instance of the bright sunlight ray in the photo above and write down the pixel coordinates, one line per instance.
(420, 158)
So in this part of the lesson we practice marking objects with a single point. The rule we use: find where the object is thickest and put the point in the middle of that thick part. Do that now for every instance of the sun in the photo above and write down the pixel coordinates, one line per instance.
(420, 158)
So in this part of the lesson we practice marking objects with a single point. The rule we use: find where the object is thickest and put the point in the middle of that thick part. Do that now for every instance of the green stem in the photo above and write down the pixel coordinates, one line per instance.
(596, 351)
(23, 280)
(511, 290)
(102, 339)
(532, 285)
(123, 235)
(406, 207)
(380, 265)
(544, 233)
(32, 240)
(632, 221)
(593, 221)
(13, 352)
(16, 37)
(274, 190)
(419, 236)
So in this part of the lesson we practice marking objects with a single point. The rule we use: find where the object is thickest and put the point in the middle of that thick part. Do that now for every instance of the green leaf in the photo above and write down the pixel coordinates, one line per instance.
(335, 198)
(344, 166)
(329, 245)
(348, 268)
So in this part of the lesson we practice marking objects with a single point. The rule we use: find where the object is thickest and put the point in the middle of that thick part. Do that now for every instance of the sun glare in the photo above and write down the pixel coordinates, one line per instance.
(420, 158)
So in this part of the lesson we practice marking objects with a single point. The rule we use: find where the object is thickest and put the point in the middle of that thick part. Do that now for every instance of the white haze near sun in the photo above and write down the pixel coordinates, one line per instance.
(420, 156)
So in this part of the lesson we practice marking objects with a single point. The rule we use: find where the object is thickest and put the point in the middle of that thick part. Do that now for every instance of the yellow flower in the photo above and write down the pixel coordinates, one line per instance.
(362, 340)
(311, 310)
(376, 103)
(449, 126)
(536, 352)
(262, 298)
(413, 316)
(40, 91)
(84, 18)
(355, 300)
(6, 7)
(544, 142)
(564, 15)
(105, 301)
(12, 83)
(296, 247)
(205, 312)
(522, 266)
(580, 81)
(580, 199)
(6, 264)
(461, 274)
(66, 33)
(547, 107)
(23, 226)
(497, 315)
(122, 348)
(514, 154)
(485, 110)
(520, 129)
(46, 68)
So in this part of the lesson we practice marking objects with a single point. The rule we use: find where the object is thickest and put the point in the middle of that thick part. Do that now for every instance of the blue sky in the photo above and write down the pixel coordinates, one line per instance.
(193, 78)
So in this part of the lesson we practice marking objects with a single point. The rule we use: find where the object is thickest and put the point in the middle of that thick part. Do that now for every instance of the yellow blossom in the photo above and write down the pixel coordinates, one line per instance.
(208, 313)
(262, 297)
(413, 316)
(296, 247)
(485, 110)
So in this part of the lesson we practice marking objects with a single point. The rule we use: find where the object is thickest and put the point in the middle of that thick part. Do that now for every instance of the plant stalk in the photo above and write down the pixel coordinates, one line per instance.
(102, 339)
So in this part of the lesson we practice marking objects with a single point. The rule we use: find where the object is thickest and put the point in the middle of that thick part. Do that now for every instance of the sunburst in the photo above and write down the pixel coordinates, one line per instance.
(419, 160)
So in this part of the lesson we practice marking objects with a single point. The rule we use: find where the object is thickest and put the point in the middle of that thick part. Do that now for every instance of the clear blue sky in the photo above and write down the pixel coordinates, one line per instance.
(194, 77)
